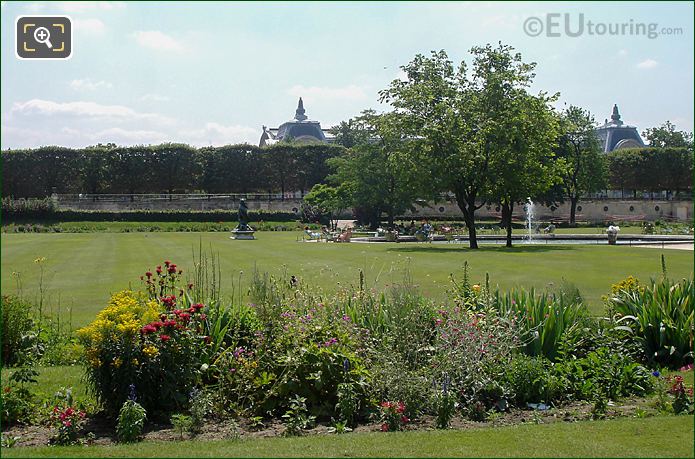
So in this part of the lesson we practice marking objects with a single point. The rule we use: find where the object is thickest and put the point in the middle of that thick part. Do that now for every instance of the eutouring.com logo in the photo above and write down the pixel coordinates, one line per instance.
(556, 25)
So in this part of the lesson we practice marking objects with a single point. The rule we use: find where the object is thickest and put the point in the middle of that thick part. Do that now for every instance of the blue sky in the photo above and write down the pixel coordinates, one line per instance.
(213, 73)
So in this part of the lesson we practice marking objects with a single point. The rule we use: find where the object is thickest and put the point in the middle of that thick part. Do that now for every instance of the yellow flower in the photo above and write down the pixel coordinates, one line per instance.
(118, 362)
(150, 351)
(135, 362)
(476, 288)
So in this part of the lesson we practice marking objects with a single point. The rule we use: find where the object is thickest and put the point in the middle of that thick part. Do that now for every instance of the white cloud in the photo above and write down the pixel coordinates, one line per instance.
(88, 85)
(91, 26)
(121, 136)
(75, 7)
(80, 7)
(84, 109)
(312, 94)
(154, 39)
(217, 134)
(647, 64)
(622, 52)
(155, 98)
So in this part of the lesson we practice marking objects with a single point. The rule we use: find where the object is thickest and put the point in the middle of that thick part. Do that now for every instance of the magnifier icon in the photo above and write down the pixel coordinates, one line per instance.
(42, 35)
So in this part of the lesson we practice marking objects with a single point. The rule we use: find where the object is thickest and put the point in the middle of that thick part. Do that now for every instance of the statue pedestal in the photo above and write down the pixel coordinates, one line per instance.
(243, 235)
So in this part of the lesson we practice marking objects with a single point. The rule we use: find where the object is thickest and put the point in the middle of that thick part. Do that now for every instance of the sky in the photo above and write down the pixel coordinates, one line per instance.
(213, 73)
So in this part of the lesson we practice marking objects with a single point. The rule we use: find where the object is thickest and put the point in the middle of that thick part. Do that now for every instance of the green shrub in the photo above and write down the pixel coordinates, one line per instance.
(182, 424)
(531, 380)
(131, 421)
(612, 374)
(18, 400)
(297, 417)
(661, 317)
(18, 335)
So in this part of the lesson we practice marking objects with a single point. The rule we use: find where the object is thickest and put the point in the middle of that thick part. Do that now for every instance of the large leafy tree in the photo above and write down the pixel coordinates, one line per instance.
(666, 135)
(525, 167)
(458, 119)
(582, 166)
(373, 171)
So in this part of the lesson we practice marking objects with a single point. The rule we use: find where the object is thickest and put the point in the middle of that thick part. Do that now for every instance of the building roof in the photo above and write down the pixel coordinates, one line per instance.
(614, 134)
(299, 129)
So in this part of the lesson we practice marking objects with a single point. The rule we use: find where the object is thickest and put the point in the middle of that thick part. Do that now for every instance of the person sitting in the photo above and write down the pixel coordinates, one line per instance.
(345, 236)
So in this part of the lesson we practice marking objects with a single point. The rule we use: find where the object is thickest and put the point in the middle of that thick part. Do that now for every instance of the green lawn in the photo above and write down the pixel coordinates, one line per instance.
(82, 269)
(667, 436)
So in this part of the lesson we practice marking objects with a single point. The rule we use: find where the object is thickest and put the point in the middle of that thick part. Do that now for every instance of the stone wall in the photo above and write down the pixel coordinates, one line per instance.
(590, 210)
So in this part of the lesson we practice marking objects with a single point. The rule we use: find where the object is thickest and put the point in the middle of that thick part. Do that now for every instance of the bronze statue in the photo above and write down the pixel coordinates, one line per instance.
(243, 217)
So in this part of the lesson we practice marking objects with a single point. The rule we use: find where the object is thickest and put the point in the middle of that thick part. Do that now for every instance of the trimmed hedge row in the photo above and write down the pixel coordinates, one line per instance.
(9, 216)
(165, 168)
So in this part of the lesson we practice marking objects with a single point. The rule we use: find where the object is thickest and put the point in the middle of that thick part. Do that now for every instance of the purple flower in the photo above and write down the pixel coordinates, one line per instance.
(656, 373)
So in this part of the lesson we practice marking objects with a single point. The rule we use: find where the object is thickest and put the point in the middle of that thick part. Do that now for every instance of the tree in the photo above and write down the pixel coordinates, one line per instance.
(373, 172)
(328, 201)
(457, 120)
(582, 165)
(171, 167)
(526, 167)
(666, 136)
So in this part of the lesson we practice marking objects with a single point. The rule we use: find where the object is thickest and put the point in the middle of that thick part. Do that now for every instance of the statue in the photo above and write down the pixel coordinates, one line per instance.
(243, 230)
(243, 216)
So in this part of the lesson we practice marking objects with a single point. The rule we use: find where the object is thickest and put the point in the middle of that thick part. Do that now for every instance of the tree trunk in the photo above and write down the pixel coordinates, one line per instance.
(573, 210)
(507, 209)
(466, 202)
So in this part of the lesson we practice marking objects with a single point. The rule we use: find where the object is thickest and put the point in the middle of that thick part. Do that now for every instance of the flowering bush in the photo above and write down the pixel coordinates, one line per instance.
(682, 396)
(307, 353)
(392, 416)
(68, 421)
(155, 343)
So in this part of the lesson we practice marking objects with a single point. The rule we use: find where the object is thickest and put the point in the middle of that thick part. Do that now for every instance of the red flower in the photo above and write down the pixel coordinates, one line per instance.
(67, 423)
(147, 329)
(384, 427)
(159, 270)
(198, 306)
(177, 312)
(203, 316)
(190, 286)
(207, 340)
(167, 263)
(164, 337)
(184, 316)
(172, 269)
(401, 407)
(170, 323)
(191, 310)
(404, 419)
(148, 274)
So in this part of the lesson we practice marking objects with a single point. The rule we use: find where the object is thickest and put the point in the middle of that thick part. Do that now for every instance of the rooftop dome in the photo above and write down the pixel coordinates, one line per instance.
(299, 129)
(614, 134)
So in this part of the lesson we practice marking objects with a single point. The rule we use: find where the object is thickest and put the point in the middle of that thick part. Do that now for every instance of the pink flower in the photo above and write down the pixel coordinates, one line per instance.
(384, 427)
(164, 337)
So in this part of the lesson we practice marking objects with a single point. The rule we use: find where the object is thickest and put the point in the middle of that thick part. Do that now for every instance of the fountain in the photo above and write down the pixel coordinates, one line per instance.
(529, 208)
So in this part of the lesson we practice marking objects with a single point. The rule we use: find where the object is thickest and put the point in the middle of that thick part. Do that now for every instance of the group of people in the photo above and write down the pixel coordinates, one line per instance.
(425, 229)
(342, 235)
